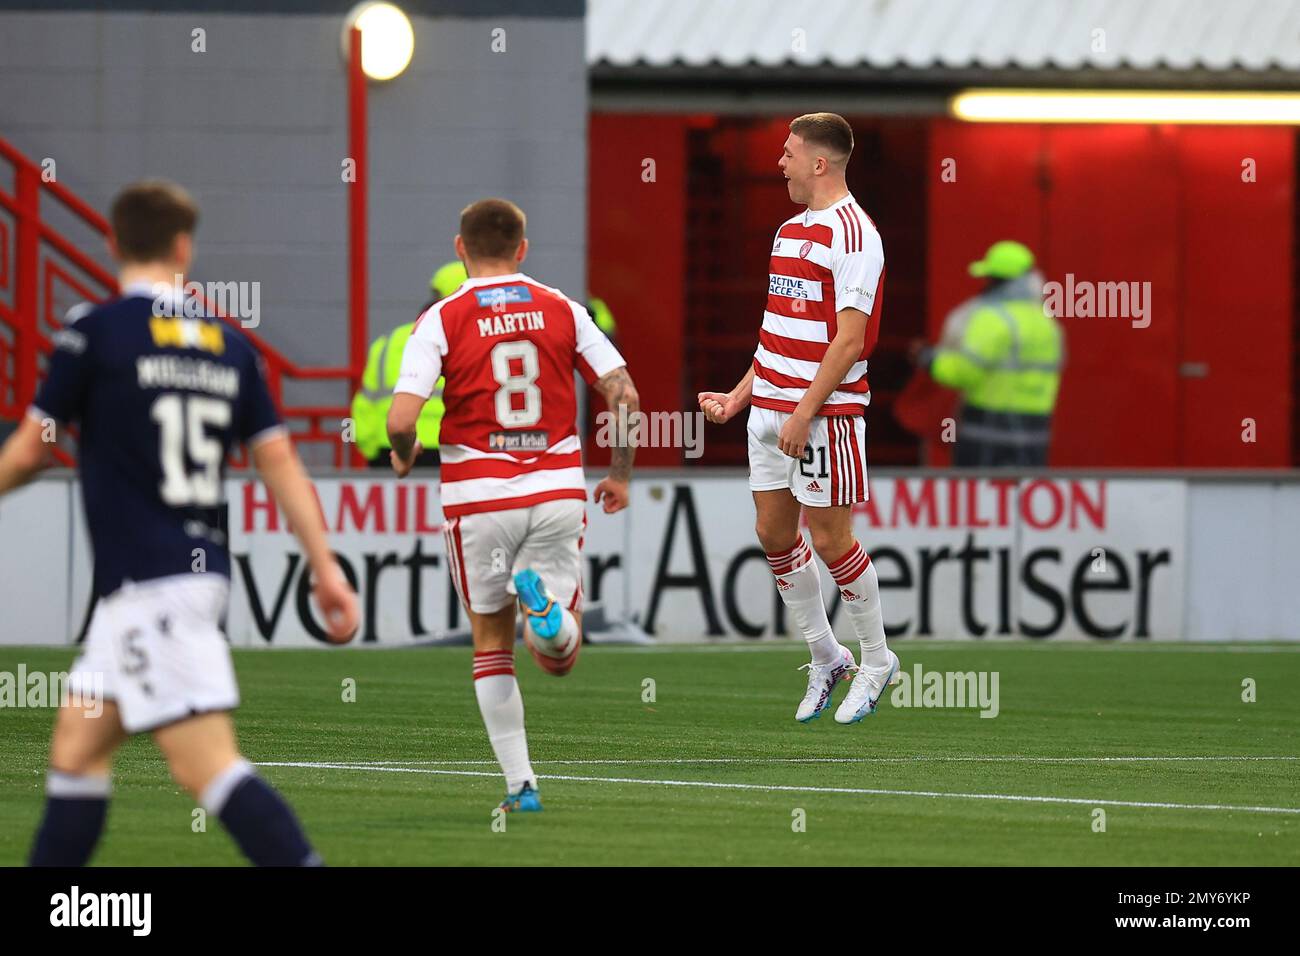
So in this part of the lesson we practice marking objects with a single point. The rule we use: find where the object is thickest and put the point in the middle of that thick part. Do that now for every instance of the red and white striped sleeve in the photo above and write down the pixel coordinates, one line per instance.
(857, 261)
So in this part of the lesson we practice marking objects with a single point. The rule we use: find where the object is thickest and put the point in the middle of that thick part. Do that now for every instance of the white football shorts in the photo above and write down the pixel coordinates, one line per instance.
(833, 469)
(487, 548)
(157, 649)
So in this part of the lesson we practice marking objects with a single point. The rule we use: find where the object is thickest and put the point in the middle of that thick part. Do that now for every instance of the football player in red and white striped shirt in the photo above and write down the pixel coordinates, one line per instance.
(807, 432)
(512, 484)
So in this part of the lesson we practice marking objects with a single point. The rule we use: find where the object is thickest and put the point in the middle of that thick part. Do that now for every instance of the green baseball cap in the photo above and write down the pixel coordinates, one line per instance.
(1007, 259)
(448, 279)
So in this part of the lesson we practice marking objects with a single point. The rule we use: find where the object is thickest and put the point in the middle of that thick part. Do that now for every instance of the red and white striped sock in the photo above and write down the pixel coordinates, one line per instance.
(860, 591)
(800, 587)
(503, 714)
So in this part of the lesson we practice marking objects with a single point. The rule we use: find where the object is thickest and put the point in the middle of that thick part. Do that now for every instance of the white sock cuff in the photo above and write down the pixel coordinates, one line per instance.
(788, 562)
(499, 663)
(808, 565)
(218, 791)
(76, 786)
(865, 583)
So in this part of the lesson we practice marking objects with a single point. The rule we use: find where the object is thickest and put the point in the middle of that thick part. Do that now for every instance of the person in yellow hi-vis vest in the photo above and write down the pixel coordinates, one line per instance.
(1003, 351)
(383, 363)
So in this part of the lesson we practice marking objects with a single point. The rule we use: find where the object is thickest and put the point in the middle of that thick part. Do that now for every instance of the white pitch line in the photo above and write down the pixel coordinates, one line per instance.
(925, 758)
(779, 788)
(917, 645)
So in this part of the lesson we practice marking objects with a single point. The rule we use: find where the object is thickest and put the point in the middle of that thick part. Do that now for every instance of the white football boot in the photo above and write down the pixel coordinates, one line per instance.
(822, 679)
(864, 694)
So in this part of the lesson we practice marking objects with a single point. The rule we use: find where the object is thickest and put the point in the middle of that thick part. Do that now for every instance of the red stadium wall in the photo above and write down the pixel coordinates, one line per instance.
(1165, 205)
(636, 258)
(1239, 269)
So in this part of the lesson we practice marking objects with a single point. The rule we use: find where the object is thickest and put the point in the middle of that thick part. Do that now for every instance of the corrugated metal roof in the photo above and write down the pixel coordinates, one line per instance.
(1168, 35)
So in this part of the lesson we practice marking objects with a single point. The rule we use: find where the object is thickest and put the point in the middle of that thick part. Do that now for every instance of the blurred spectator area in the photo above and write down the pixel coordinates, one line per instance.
(1206, 214)
(682, 260)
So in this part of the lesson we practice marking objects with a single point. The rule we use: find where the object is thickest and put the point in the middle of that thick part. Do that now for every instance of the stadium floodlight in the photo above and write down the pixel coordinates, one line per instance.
(1124, 106)
(387, 39)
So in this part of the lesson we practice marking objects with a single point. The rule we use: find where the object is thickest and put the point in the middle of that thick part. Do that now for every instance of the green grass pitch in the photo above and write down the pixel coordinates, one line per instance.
(722, 716)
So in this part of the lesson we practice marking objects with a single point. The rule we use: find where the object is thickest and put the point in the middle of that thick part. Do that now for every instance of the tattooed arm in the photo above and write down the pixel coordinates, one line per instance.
(623, 401)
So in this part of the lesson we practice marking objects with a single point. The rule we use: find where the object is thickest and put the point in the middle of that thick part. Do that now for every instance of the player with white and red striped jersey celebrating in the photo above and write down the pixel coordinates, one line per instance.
(807, 432)
(512, 484)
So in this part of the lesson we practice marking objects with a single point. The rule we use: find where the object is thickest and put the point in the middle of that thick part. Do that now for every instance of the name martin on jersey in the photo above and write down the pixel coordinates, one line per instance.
(511, 322)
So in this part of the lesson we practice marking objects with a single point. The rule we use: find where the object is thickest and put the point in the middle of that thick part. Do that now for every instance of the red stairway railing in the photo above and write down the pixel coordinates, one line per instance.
(43, 272)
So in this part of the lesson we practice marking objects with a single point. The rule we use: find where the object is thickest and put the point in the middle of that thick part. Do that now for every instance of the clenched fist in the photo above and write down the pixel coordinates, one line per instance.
(719, 407)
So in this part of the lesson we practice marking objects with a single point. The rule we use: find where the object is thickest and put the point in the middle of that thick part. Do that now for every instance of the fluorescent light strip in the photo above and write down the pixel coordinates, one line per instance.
(1092, 106)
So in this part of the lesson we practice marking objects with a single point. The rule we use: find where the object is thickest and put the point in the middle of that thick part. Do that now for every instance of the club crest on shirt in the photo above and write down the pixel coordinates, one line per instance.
(805, 249)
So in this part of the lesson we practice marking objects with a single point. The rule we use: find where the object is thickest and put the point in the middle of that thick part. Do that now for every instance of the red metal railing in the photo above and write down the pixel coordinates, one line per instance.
(358, 216)
(44, 260)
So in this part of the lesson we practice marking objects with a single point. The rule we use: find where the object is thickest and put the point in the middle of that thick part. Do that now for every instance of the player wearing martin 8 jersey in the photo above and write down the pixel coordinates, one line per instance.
(512, 484)
(162, 392)
(807, 433)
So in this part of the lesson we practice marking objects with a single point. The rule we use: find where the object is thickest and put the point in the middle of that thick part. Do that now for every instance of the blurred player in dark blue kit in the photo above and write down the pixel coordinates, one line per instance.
(162, 393)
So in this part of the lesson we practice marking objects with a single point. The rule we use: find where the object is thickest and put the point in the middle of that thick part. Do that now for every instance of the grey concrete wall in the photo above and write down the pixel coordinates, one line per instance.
(256, 128)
